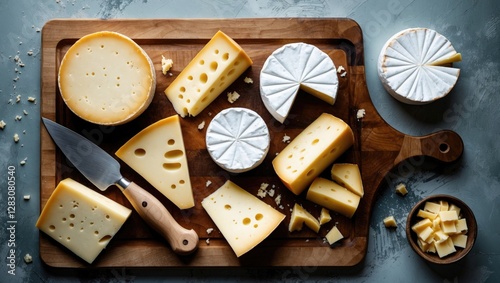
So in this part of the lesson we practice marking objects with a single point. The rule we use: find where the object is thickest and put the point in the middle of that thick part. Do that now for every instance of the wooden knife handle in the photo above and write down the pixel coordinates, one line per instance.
(181, 240)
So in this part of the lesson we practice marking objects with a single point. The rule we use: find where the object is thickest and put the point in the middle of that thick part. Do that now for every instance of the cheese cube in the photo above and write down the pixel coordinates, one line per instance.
(459, 240)
(432, 207)
(390, 221)
(461, 226)
(421, 225)
(347, 175)
(426, 234)
(333, 196)
(455, 208)
(426, 214)
(445, 248)
(450, 215)
(324, 216)
(243, 219)
(436, 224)
(157, 153)
(334, 235)
(448, 227)
(314, 149)
(299, 217)
(81, 219)
(424, 246)
(443, 206)
(440, 236)
(401, 189)
(210, 72)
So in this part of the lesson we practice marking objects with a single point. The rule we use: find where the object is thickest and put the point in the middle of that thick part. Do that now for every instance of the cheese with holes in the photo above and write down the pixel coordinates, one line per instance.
(237, 139)
(314, 149)
(414, 66)
(334, 235)
(81, 219)
(300, 216)
(157, 153)
(243, 219)
(333, 196)
(106, 78)
(210, 72)
(292, 67)
(348, 176)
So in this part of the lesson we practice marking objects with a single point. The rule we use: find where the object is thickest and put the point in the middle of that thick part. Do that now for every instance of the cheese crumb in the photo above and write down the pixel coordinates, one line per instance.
(18, 98)
(271, 192)
(201, 125)
(28, 258)
(207, 241)
(2, 124)
(31, 99)
(232, 96)
(23, 162)
(286, 139)
(27, 197)
(248, 80)
(343, 74)
(25, 112)
(166, 64)
(340, 69)
(18, 117)
(210, 230)
(262, 190)
(278, 200)
(361, 113)
(16, 137)
(208, 183)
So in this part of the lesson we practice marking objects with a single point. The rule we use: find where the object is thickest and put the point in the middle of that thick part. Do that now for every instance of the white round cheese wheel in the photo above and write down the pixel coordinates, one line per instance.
(292, 67)
(413, 66)
(237, 139)
(106, 78)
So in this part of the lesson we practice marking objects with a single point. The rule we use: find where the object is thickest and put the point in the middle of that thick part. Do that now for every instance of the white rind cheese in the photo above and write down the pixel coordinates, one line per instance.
(106, 78)
(237, 139)
(412, 66)
(243, 219)
(292, 67)
(81, 219)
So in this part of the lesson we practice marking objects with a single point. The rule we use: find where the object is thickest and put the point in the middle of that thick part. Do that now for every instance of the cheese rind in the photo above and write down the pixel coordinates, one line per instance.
(106, 78)
(312, 151)
(333, 196)
(292, 67)
(348, 176)
(237, 139)
(218, 64)
(243, 219)
(158, 154)
(81, 219)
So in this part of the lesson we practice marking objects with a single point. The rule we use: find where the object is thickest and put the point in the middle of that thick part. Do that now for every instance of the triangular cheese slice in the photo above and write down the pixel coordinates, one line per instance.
(157, 153)
(348, 176)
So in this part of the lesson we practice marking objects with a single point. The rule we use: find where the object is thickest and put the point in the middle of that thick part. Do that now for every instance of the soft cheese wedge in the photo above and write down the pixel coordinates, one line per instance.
(81, 219)
(106, 78)
(237, 139)
(157, 153)
(411, 66)
(210, 72)
(348, 176)
(243, 219)
(314, 149)
(292, 67)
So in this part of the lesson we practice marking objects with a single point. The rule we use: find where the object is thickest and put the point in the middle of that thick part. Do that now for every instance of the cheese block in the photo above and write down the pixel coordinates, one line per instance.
(81, 219)
(334, 235)
(299, 217)
(347, 175)
(106, 78)
(157, 153)
(333, 196)
(314, 149)
(243, 219)
(237, 139)
(292, 67)
(413, 66)
(210, 72)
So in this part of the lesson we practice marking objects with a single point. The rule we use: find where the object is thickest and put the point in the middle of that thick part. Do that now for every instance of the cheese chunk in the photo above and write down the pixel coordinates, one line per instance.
(445, 247)
(333, 196)
(421, 225)
(324, 217)
(314, 149)
(292, 67)
(348, 176)
(210, 72)
(409, 66)
(237, 139)
(242, 218)
(450, 215)
(157, 153)
(81, 219)
(334, 235)
(401, 189)
(459, 240)
(390, 221)
(299, 217)
(106, 78)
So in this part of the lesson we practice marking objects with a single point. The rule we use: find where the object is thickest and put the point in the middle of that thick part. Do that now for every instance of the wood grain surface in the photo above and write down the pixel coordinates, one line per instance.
(378, 147)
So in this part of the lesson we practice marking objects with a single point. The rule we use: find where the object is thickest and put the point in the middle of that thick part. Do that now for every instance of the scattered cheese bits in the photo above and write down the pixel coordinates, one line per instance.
(299, 217)
(16, 138)
(324, 217)
(262, 192)
(248, 80)
(340, 69)
(334, 235)
(2, 124)
(232, 96)
(208, 183)
(31, 99)
(286, 138)
(201, 125)
(390, 221)
(166, 64)
(360, 113)
(27, 197)
(28, 258)
(210, 230)
(401, 189)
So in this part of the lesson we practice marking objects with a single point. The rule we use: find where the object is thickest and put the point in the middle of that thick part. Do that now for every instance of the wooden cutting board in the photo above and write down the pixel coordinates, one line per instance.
(378, 147)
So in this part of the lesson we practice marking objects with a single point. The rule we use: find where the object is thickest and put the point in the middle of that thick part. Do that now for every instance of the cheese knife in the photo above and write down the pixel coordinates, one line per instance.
(103, 170)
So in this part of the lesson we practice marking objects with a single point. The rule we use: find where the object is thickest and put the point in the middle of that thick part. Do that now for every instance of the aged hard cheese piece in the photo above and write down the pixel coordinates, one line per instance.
(237, 139)
(348, 176)
(106, 78)
(210, 72)
(292, 67)
(242, 218)
(334, 235)
(314, 149)
(411, 66)
(81, 219)
(324, 216)
(157, 153)
(333, 196)
(299, 217)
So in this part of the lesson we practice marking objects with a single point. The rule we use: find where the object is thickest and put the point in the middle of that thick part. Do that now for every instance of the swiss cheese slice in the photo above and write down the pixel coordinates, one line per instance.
(314, 149)
(210, 72)
(411, 66)
(292, 67)
(348, 176)
(237, 139)
(157, 153)
(81, 219)
(243, 219)
(106, 78)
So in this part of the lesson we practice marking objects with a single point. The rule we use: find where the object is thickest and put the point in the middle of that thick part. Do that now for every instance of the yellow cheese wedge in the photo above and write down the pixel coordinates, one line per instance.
(243, 219)
(348, 176)
(299, 217)
(324, 217)
(106, 78)
(333, 196)
(334, 235)
(157, 153)
(314, 149)
(210, 72)
(81, 219)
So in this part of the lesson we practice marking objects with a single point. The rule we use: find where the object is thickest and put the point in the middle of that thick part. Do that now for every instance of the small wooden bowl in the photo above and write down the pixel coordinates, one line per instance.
(465, 212)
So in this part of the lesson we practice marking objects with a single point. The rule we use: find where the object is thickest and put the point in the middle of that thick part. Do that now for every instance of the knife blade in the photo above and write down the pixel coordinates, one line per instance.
(103, 170)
